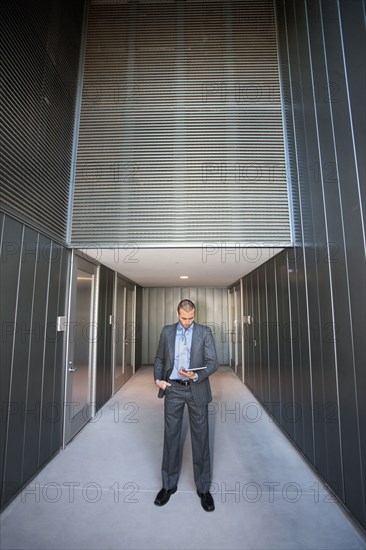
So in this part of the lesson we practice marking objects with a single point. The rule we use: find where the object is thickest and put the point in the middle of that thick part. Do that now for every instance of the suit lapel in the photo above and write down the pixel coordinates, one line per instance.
(171, 343)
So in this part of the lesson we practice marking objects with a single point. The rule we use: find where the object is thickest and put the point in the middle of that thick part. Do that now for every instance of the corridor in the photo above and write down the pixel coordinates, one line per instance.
(98, 493)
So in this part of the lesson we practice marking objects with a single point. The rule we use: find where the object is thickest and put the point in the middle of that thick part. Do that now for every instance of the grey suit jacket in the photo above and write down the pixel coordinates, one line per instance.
(203, 353)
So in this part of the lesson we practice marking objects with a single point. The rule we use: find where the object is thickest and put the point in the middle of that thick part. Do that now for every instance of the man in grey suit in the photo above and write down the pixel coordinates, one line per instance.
(185, 359)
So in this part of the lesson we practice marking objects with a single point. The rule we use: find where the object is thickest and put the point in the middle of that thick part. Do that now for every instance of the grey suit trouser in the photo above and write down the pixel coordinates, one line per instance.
(176, 396)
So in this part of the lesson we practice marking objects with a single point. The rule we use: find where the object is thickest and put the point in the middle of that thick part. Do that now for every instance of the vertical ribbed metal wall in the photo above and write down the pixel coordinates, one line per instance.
(159, 308)
(104, 370)
(308, 304)
(181, 137)
(40, 43)
(33, 294)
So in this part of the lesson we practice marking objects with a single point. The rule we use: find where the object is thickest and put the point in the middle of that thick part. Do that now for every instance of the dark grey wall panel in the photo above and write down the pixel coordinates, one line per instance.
(255, 327)
(104, 345)
(36, 14)
(56, 415)
(323, 250)
(64, 36)
(296, 347)
(138, 328)
(246, 337)
(40, 60)
(33, 287)
(274, 404)
(308, 157)
(347, 277)
(36, 359)
(287, 409)
(253, 355)
(11, 239)
(20, 365)
(352, 16)
(52, 397)
(319, 286)
(262, 338)
(248, 334)
(300, 99)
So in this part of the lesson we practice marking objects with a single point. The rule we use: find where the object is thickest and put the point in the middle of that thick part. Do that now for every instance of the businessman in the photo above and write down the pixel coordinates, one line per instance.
(185, 358)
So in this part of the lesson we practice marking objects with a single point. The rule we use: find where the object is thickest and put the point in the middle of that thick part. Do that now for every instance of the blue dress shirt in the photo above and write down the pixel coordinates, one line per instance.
(177, 357)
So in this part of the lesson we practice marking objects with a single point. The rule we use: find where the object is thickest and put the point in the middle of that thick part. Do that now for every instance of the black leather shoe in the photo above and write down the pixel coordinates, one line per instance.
(207, 502)
(163, 496)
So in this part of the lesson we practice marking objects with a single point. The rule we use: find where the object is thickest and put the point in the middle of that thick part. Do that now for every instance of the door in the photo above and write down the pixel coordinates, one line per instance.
(124, 332)
(129, 332)
(239, 330)
(81, 347)
(119, 327)
(236, 350)
(232, 326)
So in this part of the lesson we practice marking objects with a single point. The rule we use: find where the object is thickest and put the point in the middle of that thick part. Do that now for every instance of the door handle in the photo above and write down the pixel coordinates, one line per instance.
(72, 369)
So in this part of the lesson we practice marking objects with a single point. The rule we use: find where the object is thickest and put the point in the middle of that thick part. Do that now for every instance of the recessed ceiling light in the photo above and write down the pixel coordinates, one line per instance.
(183, 277)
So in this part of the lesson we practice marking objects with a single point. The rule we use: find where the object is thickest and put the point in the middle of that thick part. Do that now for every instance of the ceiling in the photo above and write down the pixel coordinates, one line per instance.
(209, 266)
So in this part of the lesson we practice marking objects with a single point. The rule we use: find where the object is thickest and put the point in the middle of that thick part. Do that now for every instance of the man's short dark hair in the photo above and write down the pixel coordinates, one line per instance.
(186, 305)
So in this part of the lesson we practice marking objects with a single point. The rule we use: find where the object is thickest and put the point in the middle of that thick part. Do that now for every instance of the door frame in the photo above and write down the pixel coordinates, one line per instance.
(242, 341)
(127, 285)
(75, 256)
(130, 332)
(236, 336)
(117, 276)
(231, 304)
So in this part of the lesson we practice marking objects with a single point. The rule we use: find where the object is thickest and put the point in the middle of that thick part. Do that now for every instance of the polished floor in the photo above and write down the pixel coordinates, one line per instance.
(98, 493)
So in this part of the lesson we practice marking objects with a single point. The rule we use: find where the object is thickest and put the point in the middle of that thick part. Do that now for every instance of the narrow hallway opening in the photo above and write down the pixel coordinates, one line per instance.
(99, 492)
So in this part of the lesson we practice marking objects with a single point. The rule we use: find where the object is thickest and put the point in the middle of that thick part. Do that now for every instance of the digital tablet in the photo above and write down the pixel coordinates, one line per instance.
(197, 368)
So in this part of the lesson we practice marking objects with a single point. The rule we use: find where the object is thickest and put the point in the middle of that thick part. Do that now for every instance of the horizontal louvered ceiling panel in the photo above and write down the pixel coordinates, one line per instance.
(180, 136)
(38, 77)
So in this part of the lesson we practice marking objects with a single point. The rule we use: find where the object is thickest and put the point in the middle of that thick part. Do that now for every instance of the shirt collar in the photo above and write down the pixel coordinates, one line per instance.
(180, 328)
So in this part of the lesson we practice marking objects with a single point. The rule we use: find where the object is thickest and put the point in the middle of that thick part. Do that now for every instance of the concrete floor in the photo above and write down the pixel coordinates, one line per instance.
(99, 493)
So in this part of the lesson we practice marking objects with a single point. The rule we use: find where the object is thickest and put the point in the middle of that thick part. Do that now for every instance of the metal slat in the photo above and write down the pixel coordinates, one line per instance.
(39, 61)
(181, 115)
